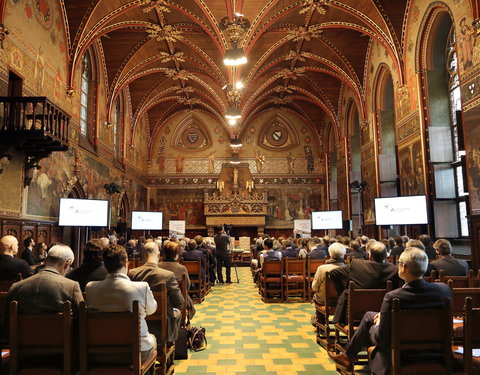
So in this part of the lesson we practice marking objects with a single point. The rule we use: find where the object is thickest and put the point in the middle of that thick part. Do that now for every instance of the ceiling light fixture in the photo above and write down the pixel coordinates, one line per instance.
(239, 85)
(235, 159)
(232, 122)
(235, 143)
(233, 113)
(234, 57)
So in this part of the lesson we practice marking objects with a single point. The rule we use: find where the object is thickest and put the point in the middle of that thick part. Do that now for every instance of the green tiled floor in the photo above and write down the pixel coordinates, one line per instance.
(247, 336)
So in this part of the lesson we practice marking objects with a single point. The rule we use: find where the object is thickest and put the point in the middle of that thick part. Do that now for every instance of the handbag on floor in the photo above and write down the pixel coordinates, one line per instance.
(181, 344)
(197, 340)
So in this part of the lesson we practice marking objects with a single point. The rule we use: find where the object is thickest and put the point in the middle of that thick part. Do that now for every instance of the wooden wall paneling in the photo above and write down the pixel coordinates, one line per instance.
(474, 221)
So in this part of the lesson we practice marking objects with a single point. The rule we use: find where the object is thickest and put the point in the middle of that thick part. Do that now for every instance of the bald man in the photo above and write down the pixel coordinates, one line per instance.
(10, 266)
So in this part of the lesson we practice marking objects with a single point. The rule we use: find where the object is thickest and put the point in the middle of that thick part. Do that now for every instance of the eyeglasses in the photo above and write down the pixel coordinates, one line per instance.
(400, 263)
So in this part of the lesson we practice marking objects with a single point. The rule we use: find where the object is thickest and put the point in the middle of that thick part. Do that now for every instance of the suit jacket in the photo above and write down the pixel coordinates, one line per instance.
(222, 241)
(318, 283)
(195, 254)
(417, 294)
(431, 253)
(154, 275)
(397, 251)
(317, 254)
(358, 255)
(290, 252)
(451, 266)
(116, 294)
(365, 274)
(29, 257)
(88, 272)
(10, 267)
(44, 292)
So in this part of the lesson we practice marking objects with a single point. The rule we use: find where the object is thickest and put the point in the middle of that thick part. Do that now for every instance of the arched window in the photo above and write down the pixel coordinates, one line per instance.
(85, 94)
(353, 128)
(332, 164)
(117, 127)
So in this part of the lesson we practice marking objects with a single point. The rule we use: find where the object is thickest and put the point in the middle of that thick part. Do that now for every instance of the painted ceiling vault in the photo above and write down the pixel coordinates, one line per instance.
(169, 53)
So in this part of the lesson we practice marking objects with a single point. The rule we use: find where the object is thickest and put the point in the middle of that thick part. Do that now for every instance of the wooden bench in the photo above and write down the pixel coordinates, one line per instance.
(458, 281)
(312, 266)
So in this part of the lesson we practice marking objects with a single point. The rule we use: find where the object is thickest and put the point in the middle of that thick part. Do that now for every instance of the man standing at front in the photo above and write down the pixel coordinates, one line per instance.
(375, 328)
(222, 241)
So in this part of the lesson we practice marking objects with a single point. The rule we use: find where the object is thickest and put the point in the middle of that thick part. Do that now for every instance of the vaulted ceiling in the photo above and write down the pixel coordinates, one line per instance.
(169, 53)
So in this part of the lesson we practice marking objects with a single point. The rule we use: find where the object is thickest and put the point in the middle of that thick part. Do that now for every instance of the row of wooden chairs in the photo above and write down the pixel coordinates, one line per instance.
(199, 287)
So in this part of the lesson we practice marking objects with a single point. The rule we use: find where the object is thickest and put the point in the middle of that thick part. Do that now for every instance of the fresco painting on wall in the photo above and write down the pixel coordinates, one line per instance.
(369, 176)
(472, 145)
(411, 168)
(179, 205)
(291, 203)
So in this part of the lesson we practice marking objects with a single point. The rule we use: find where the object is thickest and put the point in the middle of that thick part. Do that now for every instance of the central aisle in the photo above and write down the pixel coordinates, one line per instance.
(247, 336)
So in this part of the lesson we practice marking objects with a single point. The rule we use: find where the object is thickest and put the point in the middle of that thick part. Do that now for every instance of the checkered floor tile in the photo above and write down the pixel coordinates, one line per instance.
(248, 336)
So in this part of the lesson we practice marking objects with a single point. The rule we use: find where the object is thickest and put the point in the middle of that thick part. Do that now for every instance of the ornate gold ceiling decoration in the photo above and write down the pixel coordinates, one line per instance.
(183, 90)
(235, 29)
(314, 5)
(167, 33)
(189, 101)
(291, 74)
(167, 57)
(294, 55)
(281, 101)
(159, 5)
(182, 74)
(285, 89)
(301, 33)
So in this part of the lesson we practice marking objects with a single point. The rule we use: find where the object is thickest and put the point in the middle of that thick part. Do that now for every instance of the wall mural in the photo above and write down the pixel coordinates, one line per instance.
(179, 205)
(411, 168)
(287, 204)
(369, 176)
(472, 146)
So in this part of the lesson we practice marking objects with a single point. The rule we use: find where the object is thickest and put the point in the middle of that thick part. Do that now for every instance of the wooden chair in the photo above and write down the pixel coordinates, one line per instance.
(458, 308)
(432, 277)
(312, 266)
(40, 343)
(6, 284)
(471, 365)
(197, 285)
(458, 281)
(324, 312)
(294, 279)
(114, 339)
(183, 288)
(271, 281)
(165, 350)
(359, 302)
(421, 330)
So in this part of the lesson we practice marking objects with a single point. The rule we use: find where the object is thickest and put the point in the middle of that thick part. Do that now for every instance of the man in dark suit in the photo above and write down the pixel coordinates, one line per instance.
(222, 241)
(375, 328)
(10, 266)
(289, 251)
(365, 274)
(154, 275)
(447, 263)
(427, 243)
(46, 291)
(192, 253)
(419, 245)
(28, 255)
(363, 244)
(398, 249)
(356, 251)
(92, 268)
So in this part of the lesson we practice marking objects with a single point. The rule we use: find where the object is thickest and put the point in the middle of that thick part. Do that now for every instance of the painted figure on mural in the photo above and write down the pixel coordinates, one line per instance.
(179, 163)
(161, 162)
(211, 162)
(259, 161)
(465, 45)
(291, 163)
(309, 157)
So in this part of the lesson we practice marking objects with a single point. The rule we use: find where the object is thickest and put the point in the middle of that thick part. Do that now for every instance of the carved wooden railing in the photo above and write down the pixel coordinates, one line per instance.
(23, 114)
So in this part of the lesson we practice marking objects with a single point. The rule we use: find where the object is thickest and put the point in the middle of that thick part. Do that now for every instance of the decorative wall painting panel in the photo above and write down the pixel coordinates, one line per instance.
(412, 180)
(472, 145)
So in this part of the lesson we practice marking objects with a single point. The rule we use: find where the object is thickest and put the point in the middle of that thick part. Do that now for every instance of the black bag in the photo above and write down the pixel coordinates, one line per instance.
(181, 344)
(197, 340)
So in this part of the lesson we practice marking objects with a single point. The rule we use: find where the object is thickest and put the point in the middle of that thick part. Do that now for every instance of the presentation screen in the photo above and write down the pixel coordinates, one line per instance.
(401, 210)
(83, 213)
(327, 220)
(142, 220)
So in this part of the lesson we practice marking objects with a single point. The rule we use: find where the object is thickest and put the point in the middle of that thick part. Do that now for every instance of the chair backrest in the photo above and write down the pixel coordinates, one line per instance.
(183, 288)
(295, 267)
(432, 277)
(313, 264)
(471, 334)
(362, 300)
(331, 297)
(428, 331)
(40, 335)
(6, 284)
(107, 333)
(459, 295)
(458, 281)
(272, 267)
(161, 313)
(194, 267)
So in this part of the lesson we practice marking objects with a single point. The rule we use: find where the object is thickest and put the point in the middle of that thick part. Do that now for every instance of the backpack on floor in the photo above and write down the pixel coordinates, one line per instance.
(197, 340)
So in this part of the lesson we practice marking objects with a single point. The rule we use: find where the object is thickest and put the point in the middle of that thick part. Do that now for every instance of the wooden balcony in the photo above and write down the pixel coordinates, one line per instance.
(33, 125)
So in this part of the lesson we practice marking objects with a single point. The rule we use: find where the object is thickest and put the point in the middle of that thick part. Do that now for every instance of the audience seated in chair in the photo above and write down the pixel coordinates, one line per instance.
(375, 328)
(366, 274)
(398, 249)
(356, 251)
(269, 253)
(290, 251)
(151, 273)
(193, 253)
(117, 292)
(419, 245)
(447, 263)
(92, 268)
(10, 266)
(427, 243)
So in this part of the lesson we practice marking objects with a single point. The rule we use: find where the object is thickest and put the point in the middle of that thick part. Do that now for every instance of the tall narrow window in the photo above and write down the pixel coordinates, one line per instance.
(116, 125)
(455, 115)
(84, 97)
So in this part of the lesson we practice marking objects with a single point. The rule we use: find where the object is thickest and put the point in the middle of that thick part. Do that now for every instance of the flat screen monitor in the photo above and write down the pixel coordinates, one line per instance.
(83, 212)
(401, 210)
(142, 220)
(327, 220)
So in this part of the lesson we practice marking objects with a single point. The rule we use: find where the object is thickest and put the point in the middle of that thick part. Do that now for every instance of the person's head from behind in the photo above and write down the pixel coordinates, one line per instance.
(93, 252)
(199, 240)
(442, 247)
(28, 242)
(192, 245)
(220, 229)
(9, 245)
(345, 241)
(354, 246)
(115, 259)
(398, 240)
(148, 238)
(415, 243)
(105, 241)
(181, 246)
(337, 251)
(412, 264)
(425, 238)
(304, 243)
(60, 257)
(152, 251)
(171, 251)
(364, 240)
(369, 244)
(267, 244)
(378, 252)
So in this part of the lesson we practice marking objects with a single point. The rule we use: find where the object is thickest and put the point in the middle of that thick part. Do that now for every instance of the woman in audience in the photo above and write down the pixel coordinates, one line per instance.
(41, 251)
(304, 249)
(171, 264)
